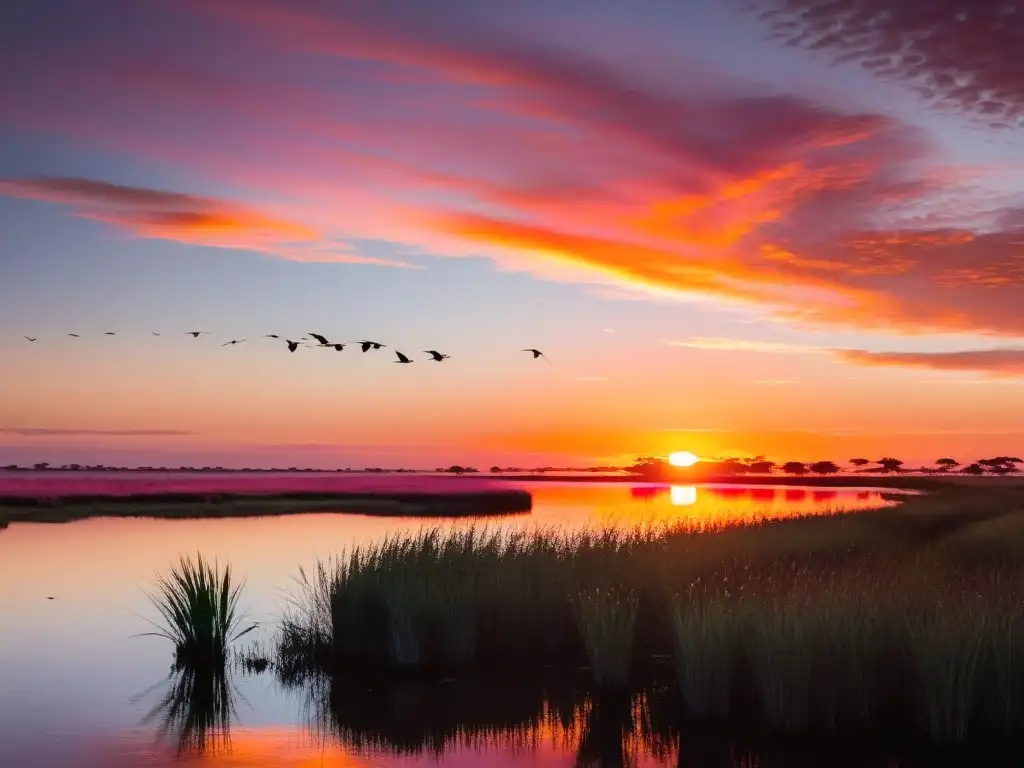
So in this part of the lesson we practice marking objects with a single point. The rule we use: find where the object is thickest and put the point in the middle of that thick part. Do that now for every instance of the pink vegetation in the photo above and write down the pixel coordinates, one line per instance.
(51, 484)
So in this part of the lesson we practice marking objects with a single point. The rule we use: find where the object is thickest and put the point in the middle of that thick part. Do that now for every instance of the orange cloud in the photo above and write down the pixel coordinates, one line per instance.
(547, 160)
(741, 345)
(997, 362)
(159, 214)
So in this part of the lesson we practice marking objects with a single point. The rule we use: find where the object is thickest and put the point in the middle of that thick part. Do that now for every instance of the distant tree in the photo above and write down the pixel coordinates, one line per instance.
(973, 469)
(946, 465)
(794, 468)
(889, 464)
(733, 467)
(496, 470)
(12, 467)
(646, 465)
(456, 469)
(760, 466)
(824, 468)
(860, 463)
(41, 465)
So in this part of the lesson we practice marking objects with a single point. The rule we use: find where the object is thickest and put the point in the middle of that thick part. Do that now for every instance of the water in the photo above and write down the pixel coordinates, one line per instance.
(71, 672)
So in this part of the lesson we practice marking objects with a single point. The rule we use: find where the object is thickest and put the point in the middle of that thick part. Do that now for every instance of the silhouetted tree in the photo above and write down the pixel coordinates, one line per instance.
(824, 468)
(733, 467)
(889, 464)
(495, 470)
(456, 469)
(946, 465)
(41, 465)
(860, 463)
(973, 469)
(759, 465)
(794, 468)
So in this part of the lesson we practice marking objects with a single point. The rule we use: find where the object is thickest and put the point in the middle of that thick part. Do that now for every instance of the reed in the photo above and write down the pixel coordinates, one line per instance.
(198, 604)
(606, 621)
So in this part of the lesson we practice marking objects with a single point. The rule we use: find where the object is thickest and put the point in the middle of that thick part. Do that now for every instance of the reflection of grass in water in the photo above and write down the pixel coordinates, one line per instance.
(197, 706)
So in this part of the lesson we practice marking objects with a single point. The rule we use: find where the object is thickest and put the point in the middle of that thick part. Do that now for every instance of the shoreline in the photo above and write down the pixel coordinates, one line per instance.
(199, 504)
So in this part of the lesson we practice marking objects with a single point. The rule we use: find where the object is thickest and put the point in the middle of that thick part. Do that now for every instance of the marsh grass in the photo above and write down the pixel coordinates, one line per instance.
(198, 603)
(197, 707)
(880, 620)
(606, 620)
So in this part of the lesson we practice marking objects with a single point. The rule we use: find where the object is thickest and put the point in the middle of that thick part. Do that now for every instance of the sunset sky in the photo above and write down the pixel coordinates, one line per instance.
(735, 227)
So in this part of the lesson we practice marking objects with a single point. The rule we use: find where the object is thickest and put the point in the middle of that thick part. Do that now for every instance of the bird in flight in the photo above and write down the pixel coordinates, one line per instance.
(271, 336)
(74, 335)
(196, 334)
(367, 345)
(337, 347)
(111, 333)
(232, 342)
(321, 339)
(401, 358)
(30, 338)
(435, 355)
(154, 333)
(536, 353)
(292, 345)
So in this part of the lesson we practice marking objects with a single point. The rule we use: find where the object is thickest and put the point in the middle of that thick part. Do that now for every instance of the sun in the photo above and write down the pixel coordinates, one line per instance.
(682, 459)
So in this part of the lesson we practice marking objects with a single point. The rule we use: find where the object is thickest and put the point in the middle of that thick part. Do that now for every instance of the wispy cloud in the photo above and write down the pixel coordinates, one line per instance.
(62, 432)
(540, 157)
(774, 382)
(154, 213)
(1008, 362)
(740, 345)
(591, 378)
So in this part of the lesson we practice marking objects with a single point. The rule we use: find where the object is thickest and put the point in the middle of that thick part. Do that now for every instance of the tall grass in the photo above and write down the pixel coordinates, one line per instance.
(606, 620)
(198, 603)
(886, 618)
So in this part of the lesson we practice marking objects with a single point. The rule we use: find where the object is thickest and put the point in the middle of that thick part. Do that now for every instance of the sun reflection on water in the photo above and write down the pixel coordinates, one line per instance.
(683, 495)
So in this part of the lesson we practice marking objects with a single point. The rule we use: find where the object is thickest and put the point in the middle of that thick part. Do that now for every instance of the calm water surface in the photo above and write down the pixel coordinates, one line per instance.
(73, 680)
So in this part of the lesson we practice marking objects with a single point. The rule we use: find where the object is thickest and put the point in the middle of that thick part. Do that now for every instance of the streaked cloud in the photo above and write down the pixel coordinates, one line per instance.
(591, 378)
(741, 345)
(72, 432)
(160, 214)
(997, 362)
(774, 382)
(546, 159)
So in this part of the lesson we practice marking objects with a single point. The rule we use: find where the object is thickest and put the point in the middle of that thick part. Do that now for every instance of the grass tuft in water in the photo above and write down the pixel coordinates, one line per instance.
(198, 602)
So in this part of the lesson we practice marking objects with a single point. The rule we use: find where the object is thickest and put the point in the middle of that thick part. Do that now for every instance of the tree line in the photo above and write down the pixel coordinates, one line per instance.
(759, 465)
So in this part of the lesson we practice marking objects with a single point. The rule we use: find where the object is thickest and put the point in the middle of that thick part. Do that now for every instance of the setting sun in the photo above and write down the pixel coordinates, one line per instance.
(682, 459)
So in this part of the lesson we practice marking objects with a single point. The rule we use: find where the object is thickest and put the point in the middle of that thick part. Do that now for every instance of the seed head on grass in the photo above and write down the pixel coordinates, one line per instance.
(198, 602)
(606, 620)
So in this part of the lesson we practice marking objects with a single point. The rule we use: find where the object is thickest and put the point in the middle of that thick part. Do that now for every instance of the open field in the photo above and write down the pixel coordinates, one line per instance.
(900, 621)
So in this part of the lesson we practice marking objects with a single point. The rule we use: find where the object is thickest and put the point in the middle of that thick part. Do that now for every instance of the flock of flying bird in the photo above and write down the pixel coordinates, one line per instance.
(321, 341)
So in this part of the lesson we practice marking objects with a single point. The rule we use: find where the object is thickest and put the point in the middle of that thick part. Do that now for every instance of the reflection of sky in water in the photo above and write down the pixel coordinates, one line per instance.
(69, 667)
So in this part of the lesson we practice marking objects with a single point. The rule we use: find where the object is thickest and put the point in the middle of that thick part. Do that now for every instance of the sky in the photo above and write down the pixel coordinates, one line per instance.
(791, 228)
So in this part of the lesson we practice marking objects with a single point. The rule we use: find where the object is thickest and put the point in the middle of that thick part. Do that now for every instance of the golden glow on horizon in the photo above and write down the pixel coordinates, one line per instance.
(682, 459)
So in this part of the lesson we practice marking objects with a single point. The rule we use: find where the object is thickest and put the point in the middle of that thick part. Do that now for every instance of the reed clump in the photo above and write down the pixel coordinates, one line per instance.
(886, 619)
(198, 604)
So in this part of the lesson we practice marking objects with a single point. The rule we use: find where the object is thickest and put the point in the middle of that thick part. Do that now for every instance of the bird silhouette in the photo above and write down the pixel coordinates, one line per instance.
(536, 353)
(368, 345)
(74, 335)
(292, 345)
(196, 334)
(435, 355)
(111, 333)
(401, 358)
(322, 339)
(271, 336)
(232, 342)
(30, 338)
(337, 347)
(154, 333)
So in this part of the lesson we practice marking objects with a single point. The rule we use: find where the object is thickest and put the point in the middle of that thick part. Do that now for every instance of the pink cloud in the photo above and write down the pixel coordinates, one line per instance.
(997, 362)
(458, 139)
